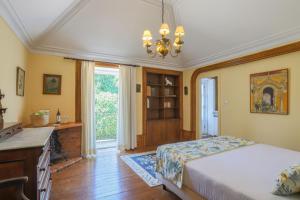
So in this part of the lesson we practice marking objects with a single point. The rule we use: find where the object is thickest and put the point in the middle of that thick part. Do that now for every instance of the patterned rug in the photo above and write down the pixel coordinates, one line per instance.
(143, 165)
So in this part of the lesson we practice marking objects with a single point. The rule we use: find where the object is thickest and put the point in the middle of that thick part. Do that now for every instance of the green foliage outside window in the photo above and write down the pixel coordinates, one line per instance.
(106, 106)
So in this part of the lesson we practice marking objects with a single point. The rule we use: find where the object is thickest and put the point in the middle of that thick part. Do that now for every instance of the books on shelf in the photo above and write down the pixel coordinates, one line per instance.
(167, 104)
(148, 103)
(148, 91)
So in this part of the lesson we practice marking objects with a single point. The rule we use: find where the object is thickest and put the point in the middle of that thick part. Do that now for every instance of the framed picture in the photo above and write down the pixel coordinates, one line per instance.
(52, 84)
(20, 86)
(269, 92)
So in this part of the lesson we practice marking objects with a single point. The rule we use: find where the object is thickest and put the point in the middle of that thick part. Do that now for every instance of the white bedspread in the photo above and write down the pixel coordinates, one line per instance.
(242, 174)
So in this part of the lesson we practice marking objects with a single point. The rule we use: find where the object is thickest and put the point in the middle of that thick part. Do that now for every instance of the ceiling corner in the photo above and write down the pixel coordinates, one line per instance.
(10, 16)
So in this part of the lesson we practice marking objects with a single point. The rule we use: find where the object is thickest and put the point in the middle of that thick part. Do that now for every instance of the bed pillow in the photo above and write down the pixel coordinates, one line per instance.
(288, 181)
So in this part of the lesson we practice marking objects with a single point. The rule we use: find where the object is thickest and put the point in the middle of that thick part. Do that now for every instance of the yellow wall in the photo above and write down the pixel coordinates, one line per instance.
(235, 117)
(45, 64)
(12, 54)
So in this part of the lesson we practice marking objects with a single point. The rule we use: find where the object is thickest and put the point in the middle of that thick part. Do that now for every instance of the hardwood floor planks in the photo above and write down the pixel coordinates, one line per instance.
(104, 178)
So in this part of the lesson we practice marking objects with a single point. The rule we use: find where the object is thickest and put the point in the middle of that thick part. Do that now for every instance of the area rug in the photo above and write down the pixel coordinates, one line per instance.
(143, 164)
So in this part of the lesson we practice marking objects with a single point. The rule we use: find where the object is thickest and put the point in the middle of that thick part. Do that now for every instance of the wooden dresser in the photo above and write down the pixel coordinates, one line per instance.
(28, 154)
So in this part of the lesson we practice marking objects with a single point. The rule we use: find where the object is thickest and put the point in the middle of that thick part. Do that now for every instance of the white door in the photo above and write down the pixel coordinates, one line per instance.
(209, 110)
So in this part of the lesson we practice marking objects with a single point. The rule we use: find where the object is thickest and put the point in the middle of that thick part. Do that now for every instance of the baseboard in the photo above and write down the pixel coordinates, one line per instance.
(186, 135)
(140, 141)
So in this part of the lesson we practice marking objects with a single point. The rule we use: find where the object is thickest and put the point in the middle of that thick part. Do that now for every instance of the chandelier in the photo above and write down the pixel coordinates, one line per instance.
(164, 46)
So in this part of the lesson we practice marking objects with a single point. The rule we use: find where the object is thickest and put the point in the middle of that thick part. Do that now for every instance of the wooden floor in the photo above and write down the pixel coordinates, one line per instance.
(105, 178)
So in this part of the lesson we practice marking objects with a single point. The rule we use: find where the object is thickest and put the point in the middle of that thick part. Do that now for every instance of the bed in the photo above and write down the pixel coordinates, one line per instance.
(244, 173)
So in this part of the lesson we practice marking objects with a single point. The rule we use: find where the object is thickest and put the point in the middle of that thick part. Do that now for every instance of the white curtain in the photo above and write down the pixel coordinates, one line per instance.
(127, 108)
(87, 109)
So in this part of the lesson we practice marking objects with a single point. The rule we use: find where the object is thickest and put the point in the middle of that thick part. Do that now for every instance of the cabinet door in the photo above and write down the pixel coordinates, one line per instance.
(155, 132)
(172, 130)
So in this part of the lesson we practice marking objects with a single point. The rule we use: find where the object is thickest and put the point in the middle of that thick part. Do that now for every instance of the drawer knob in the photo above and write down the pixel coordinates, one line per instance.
(43, 190)
(43, 169)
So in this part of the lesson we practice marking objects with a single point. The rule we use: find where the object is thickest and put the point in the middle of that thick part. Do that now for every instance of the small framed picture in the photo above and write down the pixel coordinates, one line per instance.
(52, 84)
(20, 86)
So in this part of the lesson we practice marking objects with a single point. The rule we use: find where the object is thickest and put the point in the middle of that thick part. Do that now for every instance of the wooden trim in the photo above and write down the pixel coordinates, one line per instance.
(78, 91)
(181, 101)
(105, 64)
(285, 49)
(186, 135)
(67, 126)
(161, 71)
(102, 62)
(140, 141)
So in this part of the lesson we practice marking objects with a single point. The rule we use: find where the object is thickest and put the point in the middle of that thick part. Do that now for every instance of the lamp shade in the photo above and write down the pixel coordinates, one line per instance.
(179, 31)
(164, 29)
(147, 35)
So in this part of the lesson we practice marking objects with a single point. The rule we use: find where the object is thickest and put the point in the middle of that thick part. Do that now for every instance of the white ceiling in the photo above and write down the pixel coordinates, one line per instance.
(111, 30)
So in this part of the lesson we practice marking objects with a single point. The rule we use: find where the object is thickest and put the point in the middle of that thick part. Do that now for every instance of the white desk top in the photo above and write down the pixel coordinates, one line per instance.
(28, 138)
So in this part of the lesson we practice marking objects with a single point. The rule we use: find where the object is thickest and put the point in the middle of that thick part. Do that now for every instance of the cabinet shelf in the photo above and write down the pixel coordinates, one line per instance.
(173, 108)
(154, 85)
(155, 119)
(168, 96)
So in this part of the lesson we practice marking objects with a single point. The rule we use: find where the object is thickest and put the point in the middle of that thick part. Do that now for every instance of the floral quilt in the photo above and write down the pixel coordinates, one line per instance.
(172, 157)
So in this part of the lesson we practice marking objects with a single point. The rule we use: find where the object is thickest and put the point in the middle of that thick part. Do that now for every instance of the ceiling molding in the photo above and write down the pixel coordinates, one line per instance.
(12, 19)
(48, 50)
(245, 49)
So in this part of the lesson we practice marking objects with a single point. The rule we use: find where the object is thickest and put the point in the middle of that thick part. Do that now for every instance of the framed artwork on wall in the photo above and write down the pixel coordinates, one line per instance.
(20, 83)
(52, 84)
(269, 92)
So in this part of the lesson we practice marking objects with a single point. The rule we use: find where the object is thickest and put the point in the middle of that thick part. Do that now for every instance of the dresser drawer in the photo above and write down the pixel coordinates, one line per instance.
(47, 195)
(45, 151)
(43, 169)
(45, 187)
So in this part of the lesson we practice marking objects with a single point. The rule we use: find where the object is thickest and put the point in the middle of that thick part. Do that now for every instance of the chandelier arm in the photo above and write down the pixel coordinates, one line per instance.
(171, 51)
(152, 54)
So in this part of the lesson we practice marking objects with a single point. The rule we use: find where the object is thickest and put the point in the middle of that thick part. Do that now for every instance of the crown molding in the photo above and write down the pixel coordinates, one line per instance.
(248, 48)
(104, 57)
(9, 14)
(11, 17)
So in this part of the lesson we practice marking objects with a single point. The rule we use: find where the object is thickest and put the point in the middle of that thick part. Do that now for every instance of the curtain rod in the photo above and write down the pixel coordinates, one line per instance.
(68, 58)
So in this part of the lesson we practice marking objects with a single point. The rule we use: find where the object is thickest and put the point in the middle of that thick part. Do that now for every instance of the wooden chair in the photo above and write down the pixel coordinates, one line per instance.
(17, 183)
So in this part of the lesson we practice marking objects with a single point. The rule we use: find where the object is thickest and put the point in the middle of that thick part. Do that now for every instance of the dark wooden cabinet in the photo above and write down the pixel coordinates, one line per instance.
(33, 162)
(69, 136)
(162, 106)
